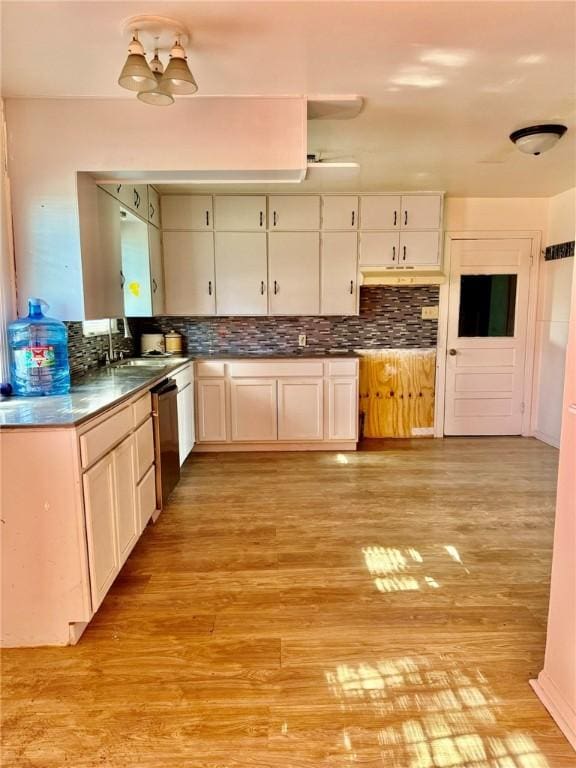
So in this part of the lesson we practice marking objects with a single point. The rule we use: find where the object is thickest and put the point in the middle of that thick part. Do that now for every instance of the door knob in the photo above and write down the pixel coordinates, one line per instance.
(452, 352)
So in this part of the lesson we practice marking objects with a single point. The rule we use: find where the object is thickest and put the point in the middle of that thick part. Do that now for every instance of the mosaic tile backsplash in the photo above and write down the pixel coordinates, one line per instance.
(390, 317)
(84, 352)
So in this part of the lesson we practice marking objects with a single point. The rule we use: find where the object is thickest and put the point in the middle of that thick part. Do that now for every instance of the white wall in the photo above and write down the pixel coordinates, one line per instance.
(552, 321)
(495, 213)
(50, 140)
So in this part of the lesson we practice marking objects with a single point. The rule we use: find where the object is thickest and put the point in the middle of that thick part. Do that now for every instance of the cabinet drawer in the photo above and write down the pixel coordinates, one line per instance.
(144, 448)
(183, 378)
(141, 409)
(275, 368)
(96, 442)
(209, 369)
(146, 494)
(342, 367)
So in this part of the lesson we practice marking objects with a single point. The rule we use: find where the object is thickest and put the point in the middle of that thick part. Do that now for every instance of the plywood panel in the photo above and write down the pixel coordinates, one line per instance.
(397, 392)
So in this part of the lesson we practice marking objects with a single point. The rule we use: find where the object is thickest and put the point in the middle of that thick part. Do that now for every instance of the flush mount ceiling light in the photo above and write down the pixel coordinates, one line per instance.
(535, 139)
(152, 84)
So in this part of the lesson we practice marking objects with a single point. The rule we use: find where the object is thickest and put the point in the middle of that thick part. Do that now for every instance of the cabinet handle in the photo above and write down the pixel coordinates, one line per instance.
(261, 218)
(262, 288)
(122, 279)
(404, 253)
(405, 218)
(275, 287)
(353, 217)
(152, 210)
(274, 218)
(393, 253)
(351, 287)
(135, 199)
(154, 285)
(395, 217)
(207, 218)
(209, 287)
(118, 188)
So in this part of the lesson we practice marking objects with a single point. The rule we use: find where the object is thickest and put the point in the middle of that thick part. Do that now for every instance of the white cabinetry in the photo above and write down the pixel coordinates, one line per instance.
(419, 248)
(156, 270)
(187, 212)
(153, 207)
(127, 522)
(294, 212)
(211, 411)
(240, 213)
(136, 272)
(340, 212)
(421, 211)
(241, 273)
(294, 270)
(380, 212)
(379, 248)
(189, 282)
(300, 409)
(338, 273)
(342, 408)
(399, 249)
(253, 409)
(185, 399)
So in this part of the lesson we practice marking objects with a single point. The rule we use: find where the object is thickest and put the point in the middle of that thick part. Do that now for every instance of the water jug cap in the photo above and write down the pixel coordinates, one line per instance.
(35, 307)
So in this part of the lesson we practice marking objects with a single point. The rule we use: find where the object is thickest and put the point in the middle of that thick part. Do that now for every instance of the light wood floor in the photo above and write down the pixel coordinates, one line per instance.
(384, 608)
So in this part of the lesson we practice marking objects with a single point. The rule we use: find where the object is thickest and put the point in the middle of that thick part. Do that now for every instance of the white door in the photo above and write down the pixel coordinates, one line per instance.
(342, 409)
(241, 273)
(419, 249)
(300, 409)
(240, 213)
(253, 409)
(486, 341)
(127, 518)
(294, 212)
(379, 249)
(99, 504)
(187, 212)
(421, 211)
(156, 270)
(340, 212)
(185, 402)
(189, 283)
(211, 411)
(379, 211)
(294, 273)
(339, 272)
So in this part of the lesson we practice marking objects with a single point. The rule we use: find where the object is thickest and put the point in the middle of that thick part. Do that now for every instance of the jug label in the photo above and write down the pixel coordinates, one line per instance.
(34, 357)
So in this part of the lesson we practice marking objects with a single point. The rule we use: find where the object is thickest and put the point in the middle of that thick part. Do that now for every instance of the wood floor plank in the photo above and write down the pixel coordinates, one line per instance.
(382, 609)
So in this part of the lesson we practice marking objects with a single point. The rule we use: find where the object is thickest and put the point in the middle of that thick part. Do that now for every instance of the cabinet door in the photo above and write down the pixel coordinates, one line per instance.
(379, 211)
(100, 506)
(156, 270)
(379, 249)
(189, 284)
(419, 248)
(127, 518)
(240, 213)
(185, 401)
(294, 273)
(339, 271)
(294, 212)
(340, 212)
(102, 262)
(342, 409)
(140, 200)
(241, 273)
(153, 207)
(211, 411)
(300, 409)
(146, 494)
(421, 211)
(135, 266)
(253, 409)
(187, 212)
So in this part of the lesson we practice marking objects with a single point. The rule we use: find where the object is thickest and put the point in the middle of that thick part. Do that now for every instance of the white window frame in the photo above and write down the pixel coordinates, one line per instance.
(102, 327)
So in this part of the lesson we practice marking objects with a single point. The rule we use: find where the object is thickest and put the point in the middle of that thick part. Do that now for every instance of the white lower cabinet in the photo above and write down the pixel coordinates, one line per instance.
(300, 409)
(146, 497)
(339, 273)
(253, 405)
(294, 273)
(185, 402)
(342, 408)
(127, 519)
(211, 411)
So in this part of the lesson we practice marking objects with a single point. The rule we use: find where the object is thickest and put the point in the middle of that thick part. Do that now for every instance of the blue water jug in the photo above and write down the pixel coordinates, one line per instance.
(38, 353)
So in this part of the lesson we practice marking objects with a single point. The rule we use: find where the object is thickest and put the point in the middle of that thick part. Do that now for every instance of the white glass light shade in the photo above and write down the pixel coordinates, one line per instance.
(158, 96)
(136, 75)
(177, 77)
(537, 143)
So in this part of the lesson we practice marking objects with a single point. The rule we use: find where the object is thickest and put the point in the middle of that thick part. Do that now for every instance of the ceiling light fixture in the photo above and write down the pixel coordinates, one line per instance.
(152, 83)
(535, 139)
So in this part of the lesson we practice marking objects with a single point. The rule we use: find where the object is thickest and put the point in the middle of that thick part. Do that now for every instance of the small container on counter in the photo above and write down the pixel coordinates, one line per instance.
(173, 343)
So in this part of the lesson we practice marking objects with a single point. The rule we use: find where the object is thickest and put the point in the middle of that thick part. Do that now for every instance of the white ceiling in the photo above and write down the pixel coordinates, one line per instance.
(444, 82)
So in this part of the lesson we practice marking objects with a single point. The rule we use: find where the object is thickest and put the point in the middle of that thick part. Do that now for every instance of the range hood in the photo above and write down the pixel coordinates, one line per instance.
(383, 276)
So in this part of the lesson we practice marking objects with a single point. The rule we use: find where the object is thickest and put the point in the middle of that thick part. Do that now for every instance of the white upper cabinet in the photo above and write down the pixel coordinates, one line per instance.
(339, 269)
(135, 266)
(419, 249)
(421, 211)
(182, 212)
(379, 249)
(340, 212)
(380, 212)
(241, 273)
(294, 212)
(189, 283)
(294, 273)
(156, 270)
(153, 207)
(239, 213)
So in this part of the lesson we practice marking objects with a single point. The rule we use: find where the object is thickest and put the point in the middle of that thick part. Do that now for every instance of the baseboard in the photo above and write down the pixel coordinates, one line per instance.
(548, 439)
(561, 712)
(321, 445)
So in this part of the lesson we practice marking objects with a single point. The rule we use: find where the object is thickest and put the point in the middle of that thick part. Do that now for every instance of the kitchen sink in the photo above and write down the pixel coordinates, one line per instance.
(149, 363)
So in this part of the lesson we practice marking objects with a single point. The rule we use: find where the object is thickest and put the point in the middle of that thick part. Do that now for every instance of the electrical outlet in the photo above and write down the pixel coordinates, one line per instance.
(301, 339)
(430, 313)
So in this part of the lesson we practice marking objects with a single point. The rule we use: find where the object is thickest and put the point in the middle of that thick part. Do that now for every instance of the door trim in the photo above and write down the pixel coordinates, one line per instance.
(441, 348)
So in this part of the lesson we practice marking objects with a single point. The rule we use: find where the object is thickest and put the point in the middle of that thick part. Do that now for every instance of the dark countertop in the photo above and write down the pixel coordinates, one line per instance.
(308, 355)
